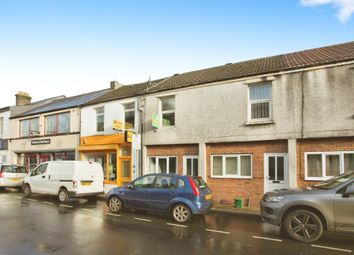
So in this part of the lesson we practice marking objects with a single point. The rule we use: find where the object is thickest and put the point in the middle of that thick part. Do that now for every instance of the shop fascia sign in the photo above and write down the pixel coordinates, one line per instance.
(120, 126)
(40, 141)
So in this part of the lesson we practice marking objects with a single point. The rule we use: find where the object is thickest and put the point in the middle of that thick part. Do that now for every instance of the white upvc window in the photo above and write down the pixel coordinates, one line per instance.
(321, 166)
(129, 115)
(260, 102)
(100, 119)
(1, 126)
(163, 164)
(167, 111)
(231, 166)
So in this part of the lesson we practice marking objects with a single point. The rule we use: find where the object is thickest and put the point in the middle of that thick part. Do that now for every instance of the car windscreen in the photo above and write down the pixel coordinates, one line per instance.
(13, 169)
(334, 182)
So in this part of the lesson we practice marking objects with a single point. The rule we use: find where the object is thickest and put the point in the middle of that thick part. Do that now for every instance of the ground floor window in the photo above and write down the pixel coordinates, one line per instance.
(323, 165)
(232, 166)
(163, 164)
(31, 160)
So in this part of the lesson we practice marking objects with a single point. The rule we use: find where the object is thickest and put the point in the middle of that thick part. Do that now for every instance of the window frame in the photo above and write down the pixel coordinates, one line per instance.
(129, 110)
(250, 102)
(223, 164)
(29, 127)
(157, 163)
(323, 161)
(57, 123)
(161, 112)
(98, 115)
(1, 127)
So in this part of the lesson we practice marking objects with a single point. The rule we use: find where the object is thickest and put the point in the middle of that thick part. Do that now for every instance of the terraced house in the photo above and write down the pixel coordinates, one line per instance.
(253, 126)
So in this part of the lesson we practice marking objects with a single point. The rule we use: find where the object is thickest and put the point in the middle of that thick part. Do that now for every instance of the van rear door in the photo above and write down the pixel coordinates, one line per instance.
(88, 177)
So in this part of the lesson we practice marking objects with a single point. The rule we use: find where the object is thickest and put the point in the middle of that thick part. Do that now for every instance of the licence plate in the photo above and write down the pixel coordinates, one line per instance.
(208, 197)
(85, 183)
(15, 179)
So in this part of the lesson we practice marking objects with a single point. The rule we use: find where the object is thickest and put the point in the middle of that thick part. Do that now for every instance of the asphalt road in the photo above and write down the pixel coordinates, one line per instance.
(41, 225)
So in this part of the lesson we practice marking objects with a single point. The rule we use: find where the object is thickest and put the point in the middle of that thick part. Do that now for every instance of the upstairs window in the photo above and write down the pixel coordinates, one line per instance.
(58, 123)
(1, 126)
(260, 102)
(129, 115)
(168, 111)
(100, 119)
(29, 127)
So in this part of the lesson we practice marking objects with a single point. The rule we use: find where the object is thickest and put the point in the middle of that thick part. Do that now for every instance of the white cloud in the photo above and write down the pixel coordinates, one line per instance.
(345, 7)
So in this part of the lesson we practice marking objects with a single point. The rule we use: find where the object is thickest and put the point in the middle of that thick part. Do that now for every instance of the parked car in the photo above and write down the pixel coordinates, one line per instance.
(11, 176)
(182, 196)
(66, 179)
(305, 213)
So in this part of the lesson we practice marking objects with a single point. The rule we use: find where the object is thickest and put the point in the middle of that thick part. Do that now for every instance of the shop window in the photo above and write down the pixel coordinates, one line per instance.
(259, 103)
(125, 151)
(163, 164)
(29, 127)
(112, 167)
(324, 165)
(129, 115)
(232, 166)
(69, 155)
(126, 168)
(99, 158)
(58, 123)
(168, 111)
(100, 119)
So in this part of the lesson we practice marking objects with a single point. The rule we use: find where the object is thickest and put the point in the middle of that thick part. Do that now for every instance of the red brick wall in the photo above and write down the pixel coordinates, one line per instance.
(174, 150)
(318, 145)
(225, 190)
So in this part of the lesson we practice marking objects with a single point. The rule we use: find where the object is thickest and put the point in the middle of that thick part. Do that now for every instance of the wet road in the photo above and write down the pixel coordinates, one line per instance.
(41, 225)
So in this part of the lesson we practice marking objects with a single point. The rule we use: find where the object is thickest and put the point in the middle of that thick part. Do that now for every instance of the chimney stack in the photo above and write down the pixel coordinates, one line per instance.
(22, 98)
(115, 85)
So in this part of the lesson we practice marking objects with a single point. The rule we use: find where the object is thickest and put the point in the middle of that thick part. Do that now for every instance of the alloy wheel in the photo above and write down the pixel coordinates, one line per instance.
(181, 213)
(115, 204)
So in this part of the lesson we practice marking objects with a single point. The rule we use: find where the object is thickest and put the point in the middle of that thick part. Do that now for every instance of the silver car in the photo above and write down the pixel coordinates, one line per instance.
(305, 214)
(11, 176)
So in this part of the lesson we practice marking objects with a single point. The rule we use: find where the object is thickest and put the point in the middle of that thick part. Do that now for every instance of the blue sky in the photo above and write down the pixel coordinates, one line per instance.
(55, 47)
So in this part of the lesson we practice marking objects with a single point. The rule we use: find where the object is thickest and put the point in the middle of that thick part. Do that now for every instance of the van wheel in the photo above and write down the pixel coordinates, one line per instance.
(303, 225)
(115, 204)
(27, 190)
(63, 195)
(181, 213)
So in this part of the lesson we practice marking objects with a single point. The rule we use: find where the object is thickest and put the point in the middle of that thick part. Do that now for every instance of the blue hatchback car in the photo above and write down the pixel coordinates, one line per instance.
(182, 196)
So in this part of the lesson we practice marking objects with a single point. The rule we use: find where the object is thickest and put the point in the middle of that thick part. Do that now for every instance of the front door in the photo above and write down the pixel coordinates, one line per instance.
(190, 165)
(276, 174)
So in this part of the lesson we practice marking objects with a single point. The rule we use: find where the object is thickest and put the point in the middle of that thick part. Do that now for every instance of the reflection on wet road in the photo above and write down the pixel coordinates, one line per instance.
(41, 225)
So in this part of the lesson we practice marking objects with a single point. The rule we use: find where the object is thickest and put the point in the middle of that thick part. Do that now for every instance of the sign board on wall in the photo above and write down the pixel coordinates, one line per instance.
(155, 121)
(40, 141)
(117, 125)
(136, 144)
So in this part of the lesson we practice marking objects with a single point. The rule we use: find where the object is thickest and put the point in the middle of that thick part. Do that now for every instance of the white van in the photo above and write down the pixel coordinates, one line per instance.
(65, 179)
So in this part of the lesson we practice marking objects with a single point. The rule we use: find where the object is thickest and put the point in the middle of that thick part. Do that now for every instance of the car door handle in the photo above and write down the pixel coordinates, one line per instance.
(48, 177)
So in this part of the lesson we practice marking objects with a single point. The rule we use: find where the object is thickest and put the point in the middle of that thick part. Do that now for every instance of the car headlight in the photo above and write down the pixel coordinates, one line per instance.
(273, 199)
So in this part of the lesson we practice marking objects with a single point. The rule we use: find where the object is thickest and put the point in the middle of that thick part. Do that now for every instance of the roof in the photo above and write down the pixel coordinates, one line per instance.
(290, 61)
(5, 109)
(65, 103)
(124, 91)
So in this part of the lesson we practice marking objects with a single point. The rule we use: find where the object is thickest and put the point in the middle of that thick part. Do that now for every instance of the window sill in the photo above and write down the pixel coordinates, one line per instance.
(259, 122)
(231, 177)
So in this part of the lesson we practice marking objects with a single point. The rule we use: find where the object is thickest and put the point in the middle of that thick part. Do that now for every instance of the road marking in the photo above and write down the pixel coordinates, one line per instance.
(268, 239)
(33, 200)
(113, 214)
(48, 203)
(141, 219)
(331, 248)
(218, 231)
(88, 210)
(176, 225)
(67, 206)
(18, 197)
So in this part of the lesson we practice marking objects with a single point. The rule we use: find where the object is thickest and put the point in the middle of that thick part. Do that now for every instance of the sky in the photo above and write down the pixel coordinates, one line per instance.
(69, 47)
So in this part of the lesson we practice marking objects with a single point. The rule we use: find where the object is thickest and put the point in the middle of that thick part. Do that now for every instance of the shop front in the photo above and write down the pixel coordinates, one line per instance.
(113, 153)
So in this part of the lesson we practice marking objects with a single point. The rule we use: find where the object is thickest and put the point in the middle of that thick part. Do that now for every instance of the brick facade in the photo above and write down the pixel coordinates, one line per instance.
(174, 150)
(318, 145)
(226, 189)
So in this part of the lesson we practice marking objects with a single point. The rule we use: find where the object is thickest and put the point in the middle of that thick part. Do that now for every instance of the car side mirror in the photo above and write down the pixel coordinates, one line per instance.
(349, 191)
(130, 186)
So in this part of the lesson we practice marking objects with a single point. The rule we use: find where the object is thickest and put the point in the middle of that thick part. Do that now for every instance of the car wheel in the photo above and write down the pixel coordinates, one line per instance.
(303, 225)
(181, 213)
(27, 190)
(115, 204)
(63, 195)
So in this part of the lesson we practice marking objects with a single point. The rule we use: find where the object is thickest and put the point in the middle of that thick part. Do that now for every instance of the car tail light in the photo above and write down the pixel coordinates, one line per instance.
(194, 187)
(74, 184)
(1, 175)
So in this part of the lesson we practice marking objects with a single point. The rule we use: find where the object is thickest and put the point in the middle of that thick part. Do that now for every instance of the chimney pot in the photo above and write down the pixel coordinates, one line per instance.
(22, 98)
(116, 85)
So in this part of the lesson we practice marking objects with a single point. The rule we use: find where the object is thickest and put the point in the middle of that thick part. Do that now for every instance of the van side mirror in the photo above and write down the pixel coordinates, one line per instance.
(349, 191)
